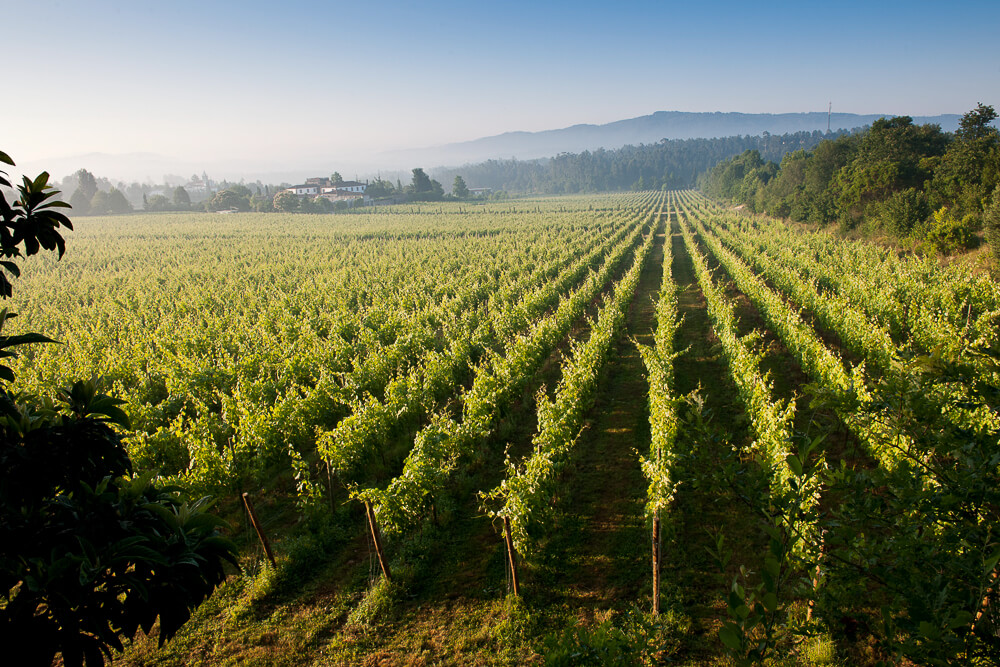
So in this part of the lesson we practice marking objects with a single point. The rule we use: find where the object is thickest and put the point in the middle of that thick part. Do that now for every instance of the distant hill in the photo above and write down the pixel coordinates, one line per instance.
(643, 130)
(154, 168)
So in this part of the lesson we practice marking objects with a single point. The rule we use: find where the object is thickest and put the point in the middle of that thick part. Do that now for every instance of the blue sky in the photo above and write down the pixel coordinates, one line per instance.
(284, 82)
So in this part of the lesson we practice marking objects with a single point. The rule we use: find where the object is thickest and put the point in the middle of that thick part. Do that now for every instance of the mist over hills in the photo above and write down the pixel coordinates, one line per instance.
(157, 168)
(645, 130)
(153, 168)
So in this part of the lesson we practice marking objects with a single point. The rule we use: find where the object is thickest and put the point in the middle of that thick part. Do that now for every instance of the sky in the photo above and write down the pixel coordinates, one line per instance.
(254, 85)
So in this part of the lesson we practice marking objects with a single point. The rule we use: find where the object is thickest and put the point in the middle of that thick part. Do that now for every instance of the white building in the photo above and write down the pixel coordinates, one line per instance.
(305, 190)
(346, 186)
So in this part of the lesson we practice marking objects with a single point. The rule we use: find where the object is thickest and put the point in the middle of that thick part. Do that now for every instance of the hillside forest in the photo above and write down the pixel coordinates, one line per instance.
(936, 190)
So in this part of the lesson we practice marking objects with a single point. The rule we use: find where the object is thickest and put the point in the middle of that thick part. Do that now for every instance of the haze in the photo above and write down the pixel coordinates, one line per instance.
(253, 88)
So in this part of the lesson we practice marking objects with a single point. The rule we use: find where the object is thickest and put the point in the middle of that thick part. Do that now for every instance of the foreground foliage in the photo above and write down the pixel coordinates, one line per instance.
(88, 552)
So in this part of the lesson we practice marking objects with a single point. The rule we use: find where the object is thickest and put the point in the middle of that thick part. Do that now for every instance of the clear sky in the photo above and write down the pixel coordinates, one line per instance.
(286, 82)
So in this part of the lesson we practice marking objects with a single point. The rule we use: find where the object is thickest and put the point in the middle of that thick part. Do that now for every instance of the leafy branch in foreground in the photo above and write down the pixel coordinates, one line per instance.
(89, 553)
(31, 221)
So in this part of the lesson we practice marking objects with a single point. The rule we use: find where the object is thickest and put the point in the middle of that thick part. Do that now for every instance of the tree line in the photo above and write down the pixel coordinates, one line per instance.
(669, 164)
(935, 189)
(96, 196)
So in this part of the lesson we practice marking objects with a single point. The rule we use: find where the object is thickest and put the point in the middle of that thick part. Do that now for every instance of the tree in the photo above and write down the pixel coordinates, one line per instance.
(970, 168)
(86, 183)
(99, 203)
(240, 190)
(421, 182)
(308, 205)
(134, 192)
(380, 188)
(738, 177)
(322, 205)
(88, 552)
(117, 203)
(423, 188)
(286, 202)
(236, 197)
(892, 156)
(80, 202)
(336, 178)
(156, 203)
(262, 204)
(182, 200)
(86, 188)
(991, 221)
(975, 124)
(459, 189)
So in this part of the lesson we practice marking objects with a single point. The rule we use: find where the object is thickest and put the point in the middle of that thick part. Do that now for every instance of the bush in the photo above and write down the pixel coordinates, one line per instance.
(902, 212)
(630, 638)
(944, 233)
(991, 220)
(89, 553)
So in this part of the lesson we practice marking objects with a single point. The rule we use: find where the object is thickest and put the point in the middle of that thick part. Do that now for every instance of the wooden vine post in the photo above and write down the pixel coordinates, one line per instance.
(377, 538)
(816, 575)
(258, 528)
(329, 486)
(656, 564)
(511, 556)
(984, 605)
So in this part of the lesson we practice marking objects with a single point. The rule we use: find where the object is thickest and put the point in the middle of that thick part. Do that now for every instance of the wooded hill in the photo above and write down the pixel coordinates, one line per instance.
(667, 164)
(910, 181)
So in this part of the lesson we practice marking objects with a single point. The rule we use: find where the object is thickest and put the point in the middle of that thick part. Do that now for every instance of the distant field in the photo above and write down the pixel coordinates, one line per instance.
(809, 425)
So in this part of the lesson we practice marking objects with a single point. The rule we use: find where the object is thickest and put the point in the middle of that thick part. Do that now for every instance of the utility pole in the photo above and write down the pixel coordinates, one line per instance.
(829, 113)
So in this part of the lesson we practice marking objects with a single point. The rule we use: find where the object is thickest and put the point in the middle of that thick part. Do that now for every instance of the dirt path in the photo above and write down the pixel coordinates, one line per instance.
(704, 503)
(597, 556)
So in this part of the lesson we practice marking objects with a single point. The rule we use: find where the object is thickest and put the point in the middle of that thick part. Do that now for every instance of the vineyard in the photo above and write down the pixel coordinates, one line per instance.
(636, 428)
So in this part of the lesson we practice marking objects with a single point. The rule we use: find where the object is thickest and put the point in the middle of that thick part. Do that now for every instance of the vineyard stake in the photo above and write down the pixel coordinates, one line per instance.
(377, 537)
(511, 555)
(816, 575)
(656, 564)
(329, 486)
(986, 599)
(258, 528)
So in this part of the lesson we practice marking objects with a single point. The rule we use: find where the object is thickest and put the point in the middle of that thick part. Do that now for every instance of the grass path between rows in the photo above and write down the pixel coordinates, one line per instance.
(598, 560)
(705, 503)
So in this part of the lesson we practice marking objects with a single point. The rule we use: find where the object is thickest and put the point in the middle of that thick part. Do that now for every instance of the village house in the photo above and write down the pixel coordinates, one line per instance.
(198, 185)
(304, 190)
(347, 186)
(315, 187)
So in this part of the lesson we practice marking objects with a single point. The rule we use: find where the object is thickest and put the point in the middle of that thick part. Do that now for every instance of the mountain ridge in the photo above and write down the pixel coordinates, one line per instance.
(520, 144)
(651, 128)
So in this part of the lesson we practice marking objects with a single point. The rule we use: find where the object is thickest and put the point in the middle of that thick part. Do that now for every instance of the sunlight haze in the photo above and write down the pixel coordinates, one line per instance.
(260, 87)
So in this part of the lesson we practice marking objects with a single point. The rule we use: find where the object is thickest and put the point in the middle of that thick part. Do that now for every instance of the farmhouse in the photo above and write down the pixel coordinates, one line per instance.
(314, 187)
(304, 190)
(347, 186)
